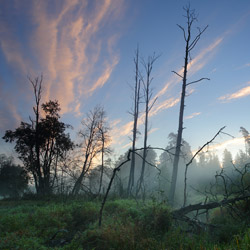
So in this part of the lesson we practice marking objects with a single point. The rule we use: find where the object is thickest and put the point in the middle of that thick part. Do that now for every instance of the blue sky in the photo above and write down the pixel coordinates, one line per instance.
(85, 50)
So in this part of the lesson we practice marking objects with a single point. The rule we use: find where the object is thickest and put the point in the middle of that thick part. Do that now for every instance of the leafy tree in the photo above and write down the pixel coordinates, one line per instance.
(13, 178)
(150, 173)
(166, 163)
(42, 143)
(241, 159)
(246, 136)
(207, 166)
(227, 160)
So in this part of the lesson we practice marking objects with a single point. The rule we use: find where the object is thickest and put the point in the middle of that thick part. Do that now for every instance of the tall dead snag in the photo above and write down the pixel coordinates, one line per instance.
(91, 145)
(37, 88)
(135, 114)
(149, 103)
(190, 44)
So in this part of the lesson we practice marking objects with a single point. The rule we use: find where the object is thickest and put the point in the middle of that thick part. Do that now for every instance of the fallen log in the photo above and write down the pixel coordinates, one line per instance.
(199, 206)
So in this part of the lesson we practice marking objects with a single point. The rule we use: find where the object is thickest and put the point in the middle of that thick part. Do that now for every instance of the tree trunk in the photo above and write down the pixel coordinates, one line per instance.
(135, 115)
(180, 130)
(190, 44)
(102, 166)
(78, 183)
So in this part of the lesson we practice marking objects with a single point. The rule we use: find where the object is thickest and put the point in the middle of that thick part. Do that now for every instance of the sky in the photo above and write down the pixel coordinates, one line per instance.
(85, 48)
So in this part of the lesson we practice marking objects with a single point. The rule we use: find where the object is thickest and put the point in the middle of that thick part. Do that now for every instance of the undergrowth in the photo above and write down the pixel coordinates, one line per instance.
(127, 224)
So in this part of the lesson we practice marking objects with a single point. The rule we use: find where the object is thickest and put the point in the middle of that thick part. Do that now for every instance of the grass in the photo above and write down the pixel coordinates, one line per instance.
(73, 224)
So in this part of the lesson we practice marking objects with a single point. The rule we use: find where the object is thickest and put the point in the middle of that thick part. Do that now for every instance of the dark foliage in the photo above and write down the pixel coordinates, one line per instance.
(13, 178)
(48, 137)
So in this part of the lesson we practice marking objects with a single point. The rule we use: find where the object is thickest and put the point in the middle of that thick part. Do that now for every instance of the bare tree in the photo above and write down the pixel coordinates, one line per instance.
(135, 114)
(149, 103)
(91, 144)
(190, 44)
(37, 88)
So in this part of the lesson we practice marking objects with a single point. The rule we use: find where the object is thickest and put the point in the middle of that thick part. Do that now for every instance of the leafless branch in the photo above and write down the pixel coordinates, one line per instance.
(191, 160)
(184, 32)
(201, 79)
(177, 74)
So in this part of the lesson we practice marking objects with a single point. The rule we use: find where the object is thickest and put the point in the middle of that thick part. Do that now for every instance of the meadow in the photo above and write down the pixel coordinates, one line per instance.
(66, 223)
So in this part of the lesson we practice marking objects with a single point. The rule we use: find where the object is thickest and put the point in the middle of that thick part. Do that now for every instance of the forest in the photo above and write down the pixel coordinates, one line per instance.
(65, 194)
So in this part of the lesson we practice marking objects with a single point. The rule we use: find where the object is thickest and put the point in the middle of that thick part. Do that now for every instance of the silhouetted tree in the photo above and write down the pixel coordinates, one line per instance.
(166, 163)
(13, 178)
(246, 136)
(41, 144)
(190, 44)
(92, 143)
(241, 159)
(227, 159)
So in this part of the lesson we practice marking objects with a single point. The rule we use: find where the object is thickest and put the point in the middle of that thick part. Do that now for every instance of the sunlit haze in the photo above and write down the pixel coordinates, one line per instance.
(85, 51)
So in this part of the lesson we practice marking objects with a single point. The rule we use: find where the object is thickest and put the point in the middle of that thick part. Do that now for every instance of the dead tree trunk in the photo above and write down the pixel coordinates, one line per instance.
(37, 88)
(149, 103)
(190, 44)
(102, 164)
(135, 114)
(105, 139)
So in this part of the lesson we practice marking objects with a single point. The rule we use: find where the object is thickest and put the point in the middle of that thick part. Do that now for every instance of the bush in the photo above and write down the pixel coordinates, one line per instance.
(156, 219)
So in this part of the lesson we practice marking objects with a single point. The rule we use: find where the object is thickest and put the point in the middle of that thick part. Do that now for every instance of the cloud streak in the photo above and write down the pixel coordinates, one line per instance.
(237, 95)
(71, 49)
(68, 45)
(192, 115)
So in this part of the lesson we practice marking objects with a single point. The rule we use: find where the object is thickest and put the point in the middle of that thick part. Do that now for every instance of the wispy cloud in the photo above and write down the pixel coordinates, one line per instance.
(70, 48)
(238, 94)
(151, 131)
(12, 50)
(67, 44)
(9, 116)
(105, 76)
(230, 142)
(169, 103)
(233, 145)
(192, 115)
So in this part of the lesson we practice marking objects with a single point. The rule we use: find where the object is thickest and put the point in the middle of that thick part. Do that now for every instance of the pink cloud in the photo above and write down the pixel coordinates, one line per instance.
(238, 94)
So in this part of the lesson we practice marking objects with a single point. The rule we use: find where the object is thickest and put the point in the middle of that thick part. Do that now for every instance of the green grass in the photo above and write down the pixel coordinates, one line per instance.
(53, 224)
